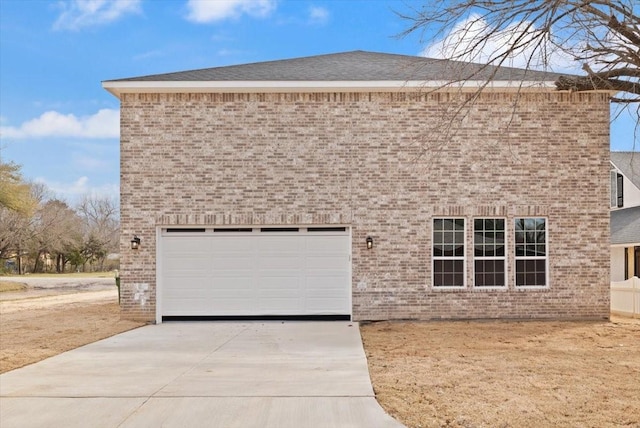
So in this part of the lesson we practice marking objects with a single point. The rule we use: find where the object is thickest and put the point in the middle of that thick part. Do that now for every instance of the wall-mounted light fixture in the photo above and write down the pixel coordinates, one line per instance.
(369, 242)
(135, 242)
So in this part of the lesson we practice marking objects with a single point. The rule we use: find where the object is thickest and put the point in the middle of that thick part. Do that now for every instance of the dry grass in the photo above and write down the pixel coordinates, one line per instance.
(79, 275)
(12, 286)
(507, 374)
(28, 336)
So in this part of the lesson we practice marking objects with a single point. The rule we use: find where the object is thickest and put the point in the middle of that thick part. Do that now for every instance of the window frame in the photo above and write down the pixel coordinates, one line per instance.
(442, 257)
(503, 258)
(516, 258)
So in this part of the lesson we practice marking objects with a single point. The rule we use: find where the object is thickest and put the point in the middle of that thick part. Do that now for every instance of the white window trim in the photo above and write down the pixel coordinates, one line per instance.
(463, 258)
(504, 258)
(545, 258)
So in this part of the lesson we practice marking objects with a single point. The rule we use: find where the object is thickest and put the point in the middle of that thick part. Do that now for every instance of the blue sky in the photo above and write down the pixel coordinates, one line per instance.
(60, 124)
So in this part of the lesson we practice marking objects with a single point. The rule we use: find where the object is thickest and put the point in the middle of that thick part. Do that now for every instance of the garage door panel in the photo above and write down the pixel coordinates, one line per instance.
(280, 306)
(278, 282)
(242, 285)
(269, 244)
(230, 263)
(232, 244)
(275, 262)
(328, 306)
(186, 265)
(232, 306)
(328, 282)
(260, 273)
(173, 284)
(326, 244)
(180, 306)
(325, 262)
(190, 245)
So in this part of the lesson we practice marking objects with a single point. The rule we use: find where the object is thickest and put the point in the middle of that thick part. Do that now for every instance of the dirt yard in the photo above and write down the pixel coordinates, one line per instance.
(40, 322)
(507, 374)
(432, 374)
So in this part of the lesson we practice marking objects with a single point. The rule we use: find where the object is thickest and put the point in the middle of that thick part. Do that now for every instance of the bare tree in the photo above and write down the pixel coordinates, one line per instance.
(101, 220)
(57, 230)
(602, 37)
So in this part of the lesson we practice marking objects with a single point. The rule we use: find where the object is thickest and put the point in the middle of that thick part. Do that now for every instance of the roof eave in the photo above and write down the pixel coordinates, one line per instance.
(119, 87)
(625, 244)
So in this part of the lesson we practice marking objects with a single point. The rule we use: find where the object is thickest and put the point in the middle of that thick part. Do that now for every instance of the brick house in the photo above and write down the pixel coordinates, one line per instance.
(361, 185)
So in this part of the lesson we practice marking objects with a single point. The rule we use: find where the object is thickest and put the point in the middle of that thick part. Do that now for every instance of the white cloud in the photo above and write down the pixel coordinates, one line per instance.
(104, 124)
(318, 15)
(74, 191)
(462, 44)
(89, 163)
(203, 11)
(77, 14)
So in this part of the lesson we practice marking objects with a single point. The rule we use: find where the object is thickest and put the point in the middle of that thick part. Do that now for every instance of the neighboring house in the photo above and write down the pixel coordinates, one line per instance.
(625, 215)
(345, 185)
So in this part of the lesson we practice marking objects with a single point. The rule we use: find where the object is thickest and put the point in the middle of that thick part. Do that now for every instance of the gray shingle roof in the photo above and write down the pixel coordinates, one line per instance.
(352, 66)
(629, 164)
(625, 226)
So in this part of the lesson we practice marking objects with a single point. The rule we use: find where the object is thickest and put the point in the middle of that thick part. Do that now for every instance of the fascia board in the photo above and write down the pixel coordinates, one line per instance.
(121, 87)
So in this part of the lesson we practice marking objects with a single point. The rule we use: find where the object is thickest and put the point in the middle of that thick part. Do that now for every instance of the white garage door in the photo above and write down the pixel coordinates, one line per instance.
(255, 271)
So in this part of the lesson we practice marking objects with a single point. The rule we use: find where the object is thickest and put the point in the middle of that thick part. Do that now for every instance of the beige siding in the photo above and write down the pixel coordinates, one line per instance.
(385, 165)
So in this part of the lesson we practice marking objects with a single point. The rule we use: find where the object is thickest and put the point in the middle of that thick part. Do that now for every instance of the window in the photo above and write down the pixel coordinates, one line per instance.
(448, 252)
(617, 189)
(489, 252)
(531, 252)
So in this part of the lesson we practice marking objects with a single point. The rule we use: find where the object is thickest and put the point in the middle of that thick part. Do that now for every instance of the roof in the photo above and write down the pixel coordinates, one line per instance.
(351, 66)
(625, 226)
(356, 69)
(628, 163)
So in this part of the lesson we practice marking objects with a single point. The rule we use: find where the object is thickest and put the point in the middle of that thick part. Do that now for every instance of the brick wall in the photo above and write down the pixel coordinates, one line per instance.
(385, 164)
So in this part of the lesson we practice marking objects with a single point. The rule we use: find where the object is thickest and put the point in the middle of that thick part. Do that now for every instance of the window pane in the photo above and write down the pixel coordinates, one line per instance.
(438, 224)
(529, 224)
(478, 224)
(489, 273)
(530, 272)
(500, 273)
(448, 273)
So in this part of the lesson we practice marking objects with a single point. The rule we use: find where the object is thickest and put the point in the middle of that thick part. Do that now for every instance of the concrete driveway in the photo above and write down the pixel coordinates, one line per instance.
(202, 374)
